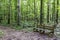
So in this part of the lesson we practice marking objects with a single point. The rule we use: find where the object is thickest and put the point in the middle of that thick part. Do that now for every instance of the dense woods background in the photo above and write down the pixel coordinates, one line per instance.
(29, 13)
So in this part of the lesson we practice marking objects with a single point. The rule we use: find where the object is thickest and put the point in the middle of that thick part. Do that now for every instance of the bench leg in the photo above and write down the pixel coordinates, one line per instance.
(35, 30)
(42, 32)
(51, 34)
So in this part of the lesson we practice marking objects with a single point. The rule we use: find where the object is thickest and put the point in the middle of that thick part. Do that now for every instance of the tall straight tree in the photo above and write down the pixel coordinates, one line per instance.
(9, 12)
(15, 3)
(57, 12)
(48, 7)
(0, 11)
(53, 11)
(4, 10)
(18, 12)
(41, 11)
(34, 12)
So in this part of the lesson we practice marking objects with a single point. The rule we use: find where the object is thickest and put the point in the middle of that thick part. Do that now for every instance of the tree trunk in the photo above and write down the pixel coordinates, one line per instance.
(53, 13)
(18, 11)
(41, 12)
(57, 12)
(48, 5)
(9, 12)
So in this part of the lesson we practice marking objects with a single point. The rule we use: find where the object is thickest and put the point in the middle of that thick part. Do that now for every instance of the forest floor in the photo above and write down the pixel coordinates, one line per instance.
(11, 34)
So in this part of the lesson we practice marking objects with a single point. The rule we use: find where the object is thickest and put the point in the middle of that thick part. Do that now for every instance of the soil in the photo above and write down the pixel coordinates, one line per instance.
(11, 34)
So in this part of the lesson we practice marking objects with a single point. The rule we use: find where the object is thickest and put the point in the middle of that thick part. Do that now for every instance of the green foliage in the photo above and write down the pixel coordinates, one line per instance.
(1, 33)
(29, 13)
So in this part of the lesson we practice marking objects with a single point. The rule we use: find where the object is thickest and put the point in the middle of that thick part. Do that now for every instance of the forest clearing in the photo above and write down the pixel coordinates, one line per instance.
(12, 34)
(29, 19)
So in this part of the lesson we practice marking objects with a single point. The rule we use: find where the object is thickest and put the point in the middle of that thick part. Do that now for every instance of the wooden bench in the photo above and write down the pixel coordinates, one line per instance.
(45, 29)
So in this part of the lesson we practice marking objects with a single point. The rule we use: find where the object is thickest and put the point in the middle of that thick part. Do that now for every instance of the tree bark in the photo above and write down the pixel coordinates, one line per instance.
(57, 12)
(48, 5)
(18, 12)
(9, 12)
(53, 13)
(41, 12)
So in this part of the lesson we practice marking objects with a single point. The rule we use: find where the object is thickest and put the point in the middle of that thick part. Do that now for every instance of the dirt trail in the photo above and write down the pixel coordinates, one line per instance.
(11, 34)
